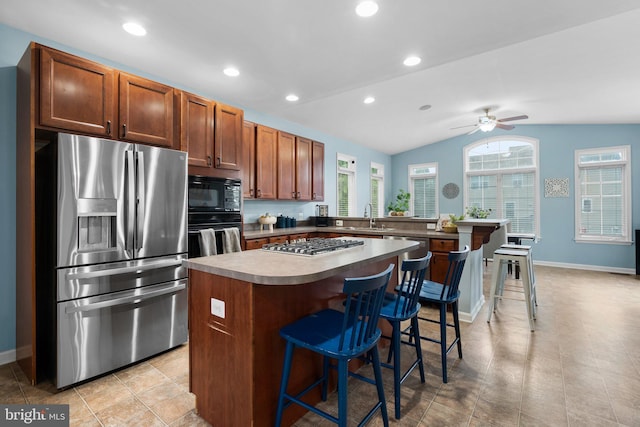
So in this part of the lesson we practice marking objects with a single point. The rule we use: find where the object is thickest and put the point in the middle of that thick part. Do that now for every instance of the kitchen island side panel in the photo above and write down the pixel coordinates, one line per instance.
(220, 349)
(214, 352)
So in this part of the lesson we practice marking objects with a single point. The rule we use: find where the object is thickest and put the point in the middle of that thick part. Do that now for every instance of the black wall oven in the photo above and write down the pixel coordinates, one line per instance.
(213, 203)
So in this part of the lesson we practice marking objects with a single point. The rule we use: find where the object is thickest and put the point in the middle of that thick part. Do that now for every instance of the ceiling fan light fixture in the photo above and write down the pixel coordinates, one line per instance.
(367, 8)
(487, 126)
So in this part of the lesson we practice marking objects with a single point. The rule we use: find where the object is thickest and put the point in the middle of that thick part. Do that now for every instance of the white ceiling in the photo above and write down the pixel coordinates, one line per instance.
(559, 62)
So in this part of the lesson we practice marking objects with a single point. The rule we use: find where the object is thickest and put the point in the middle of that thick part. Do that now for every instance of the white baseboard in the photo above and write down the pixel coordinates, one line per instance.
(603, 268)
(8, 356)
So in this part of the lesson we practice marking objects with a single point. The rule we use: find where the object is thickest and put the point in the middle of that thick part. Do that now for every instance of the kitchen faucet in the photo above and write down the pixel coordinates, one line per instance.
(371, 218)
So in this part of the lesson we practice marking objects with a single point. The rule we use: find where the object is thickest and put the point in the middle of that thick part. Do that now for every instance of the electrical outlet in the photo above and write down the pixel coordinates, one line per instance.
(431, 226)
(217, 308)
(339, 223)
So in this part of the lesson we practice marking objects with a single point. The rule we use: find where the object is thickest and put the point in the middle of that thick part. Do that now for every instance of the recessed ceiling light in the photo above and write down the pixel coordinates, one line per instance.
(135, 29)
(231, 72)
(367, 8)
(425, 107)
(369, 100)
(410, 61)
(292, 97)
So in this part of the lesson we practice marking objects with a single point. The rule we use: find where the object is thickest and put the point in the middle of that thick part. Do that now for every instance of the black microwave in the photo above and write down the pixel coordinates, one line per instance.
(209, 194)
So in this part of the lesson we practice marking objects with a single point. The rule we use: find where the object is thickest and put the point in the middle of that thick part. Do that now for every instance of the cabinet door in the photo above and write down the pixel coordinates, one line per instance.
(317, 173)
(146, 111)
(248, 159)
(76, 94)
(196, 129)
(286, 166)
(255, 243)
(266, 154)
(228, 136)
(303, 168)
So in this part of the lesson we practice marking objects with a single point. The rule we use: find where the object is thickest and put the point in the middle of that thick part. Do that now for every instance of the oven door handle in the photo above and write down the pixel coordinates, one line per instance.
(124, 270)
(132, 299)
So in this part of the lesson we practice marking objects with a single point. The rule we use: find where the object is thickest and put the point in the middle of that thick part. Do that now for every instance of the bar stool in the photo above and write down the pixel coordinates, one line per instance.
(341, 336)
(531, 270)
(501, 258)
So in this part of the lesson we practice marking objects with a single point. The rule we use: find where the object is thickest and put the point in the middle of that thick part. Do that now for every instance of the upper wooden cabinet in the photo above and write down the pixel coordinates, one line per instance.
(82, 96)
(317, 173)
(248, 160)
(228, 137)
(212, 135)
(286, 166)
(146, 111)
(266, 162)
(196, 129)
(304, 165)
(76, 94)
(294, 167)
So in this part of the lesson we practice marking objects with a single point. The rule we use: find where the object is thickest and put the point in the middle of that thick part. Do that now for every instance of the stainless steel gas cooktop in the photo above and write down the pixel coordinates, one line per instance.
(314, 246)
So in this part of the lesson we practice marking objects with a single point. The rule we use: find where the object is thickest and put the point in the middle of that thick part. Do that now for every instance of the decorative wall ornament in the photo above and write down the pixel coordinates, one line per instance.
(556, 187)
(450, 190)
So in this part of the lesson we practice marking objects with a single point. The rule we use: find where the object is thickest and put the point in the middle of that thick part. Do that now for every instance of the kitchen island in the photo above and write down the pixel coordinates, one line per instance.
(237, 304)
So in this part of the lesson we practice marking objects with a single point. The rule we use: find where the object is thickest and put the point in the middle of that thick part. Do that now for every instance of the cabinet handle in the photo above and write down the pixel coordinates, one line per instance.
(124, 130)
(259, 193)
(208, 160)
(218, 161)
(108, 127)
(251, 192)
(314, 196)
(293, 194)
(298, 195)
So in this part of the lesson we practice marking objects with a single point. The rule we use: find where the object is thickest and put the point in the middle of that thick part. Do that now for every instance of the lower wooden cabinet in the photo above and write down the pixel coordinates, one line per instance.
(439, 264)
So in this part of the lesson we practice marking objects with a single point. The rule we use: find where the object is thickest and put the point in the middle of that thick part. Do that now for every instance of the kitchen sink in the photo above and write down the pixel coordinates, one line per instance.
(369, 229)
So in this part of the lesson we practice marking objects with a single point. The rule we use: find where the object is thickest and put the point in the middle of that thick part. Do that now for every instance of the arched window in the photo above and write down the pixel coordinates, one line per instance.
(501, 174)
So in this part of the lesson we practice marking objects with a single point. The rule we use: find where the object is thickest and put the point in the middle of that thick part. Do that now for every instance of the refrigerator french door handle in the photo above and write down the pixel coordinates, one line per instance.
(123, 270)
(133, 299)
(140, 200)
(130, 198)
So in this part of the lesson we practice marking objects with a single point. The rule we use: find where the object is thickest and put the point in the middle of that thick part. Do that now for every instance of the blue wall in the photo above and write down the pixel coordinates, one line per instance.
(557, 144)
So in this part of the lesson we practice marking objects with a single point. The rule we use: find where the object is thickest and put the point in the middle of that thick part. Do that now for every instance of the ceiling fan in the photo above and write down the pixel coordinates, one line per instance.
(487, 123)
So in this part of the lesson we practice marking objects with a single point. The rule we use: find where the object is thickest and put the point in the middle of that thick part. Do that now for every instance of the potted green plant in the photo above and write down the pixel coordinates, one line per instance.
(400, 206)
(477, 212)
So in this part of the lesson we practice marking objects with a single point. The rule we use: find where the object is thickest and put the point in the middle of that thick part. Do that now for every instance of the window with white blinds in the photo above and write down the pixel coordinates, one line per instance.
(423, 186)
(377, 189)
(346, 185)
(603, 195)
(501, 174)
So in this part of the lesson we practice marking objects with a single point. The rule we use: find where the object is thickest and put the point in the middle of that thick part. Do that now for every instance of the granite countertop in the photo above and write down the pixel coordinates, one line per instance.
(266, 268)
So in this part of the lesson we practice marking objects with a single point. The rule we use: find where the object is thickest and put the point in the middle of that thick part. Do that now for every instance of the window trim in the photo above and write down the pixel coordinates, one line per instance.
(378, 177)
(535, 168)
(428, 175)
(627, 236)
(350, 170)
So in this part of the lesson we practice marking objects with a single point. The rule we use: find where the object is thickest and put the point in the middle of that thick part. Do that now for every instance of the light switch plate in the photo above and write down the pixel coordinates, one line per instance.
(217, 307)
(431, 226)
(339, 223)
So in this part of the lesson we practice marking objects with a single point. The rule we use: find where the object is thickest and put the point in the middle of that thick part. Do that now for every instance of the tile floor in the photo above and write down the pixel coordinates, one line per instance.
(580, 368)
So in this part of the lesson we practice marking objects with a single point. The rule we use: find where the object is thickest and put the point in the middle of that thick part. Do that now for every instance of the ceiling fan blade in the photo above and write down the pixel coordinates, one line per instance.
(474, 131)
(460, 127)
(508, 119)
(505, 127)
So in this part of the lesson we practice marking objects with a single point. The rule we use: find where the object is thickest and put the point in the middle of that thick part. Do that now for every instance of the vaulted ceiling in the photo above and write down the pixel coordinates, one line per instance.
(559, 62)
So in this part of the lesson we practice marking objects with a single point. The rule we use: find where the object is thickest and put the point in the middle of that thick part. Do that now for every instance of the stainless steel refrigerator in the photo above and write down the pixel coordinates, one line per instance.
(121, 236)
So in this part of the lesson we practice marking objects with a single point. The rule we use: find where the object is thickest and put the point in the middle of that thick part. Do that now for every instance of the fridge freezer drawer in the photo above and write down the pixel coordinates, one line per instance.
(103, 333)
(82, 282)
